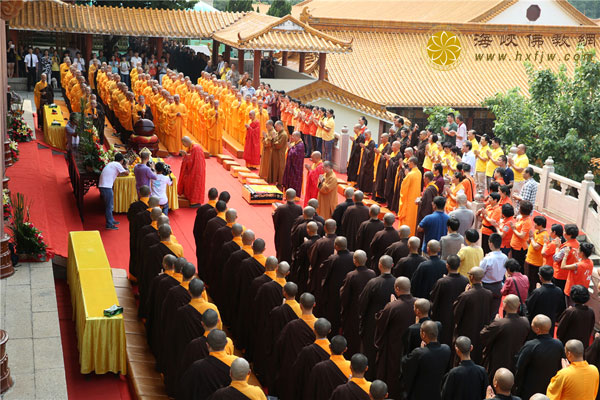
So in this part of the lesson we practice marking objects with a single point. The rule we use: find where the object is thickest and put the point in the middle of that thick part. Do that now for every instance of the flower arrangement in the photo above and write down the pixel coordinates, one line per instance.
(28, 240)
(6, 204)
(14, 150)
(18, 130)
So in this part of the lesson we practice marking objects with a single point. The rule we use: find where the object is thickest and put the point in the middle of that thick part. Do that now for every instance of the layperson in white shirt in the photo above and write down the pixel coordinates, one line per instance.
(109, 174)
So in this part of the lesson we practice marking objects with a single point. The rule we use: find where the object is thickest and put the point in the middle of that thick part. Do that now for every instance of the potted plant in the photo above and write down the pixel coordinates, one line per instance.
(27, 239)
(18, 130)
(14, 150)
(6, 206)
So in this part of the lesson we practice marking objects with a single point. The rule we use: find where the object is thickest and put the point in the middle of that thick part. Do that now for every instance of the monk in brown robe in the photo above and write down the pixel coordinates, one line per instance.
(309, 356)
(380, 167)
(217, 239)
(357, 388)
(299, 231)
(430, 191)
(392, 160)
(217, 289)
(333, 271)
(210, 229)
(140, 220)
(230, 270)
(301, 263)
(392, 323)
(366, 176)
(267, 152)
(283, 218)
(293, 337)
(197, 349)
(135, 208)
(239, 387)
(279, 143)
(383, 239)
(353, 285)
(206, 376)
(400, 175)
(354, 216)
(367, 230)
(399, 249)
(472, 310)
(319, 252)
(355, 153)
(328, 196)
(327, 375)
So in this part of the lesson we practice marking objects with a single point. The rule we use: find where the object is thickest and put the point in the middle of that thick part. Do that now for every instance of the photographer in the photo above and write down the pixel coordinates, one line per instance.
(107, 179)
(144, 171)
(160, 183)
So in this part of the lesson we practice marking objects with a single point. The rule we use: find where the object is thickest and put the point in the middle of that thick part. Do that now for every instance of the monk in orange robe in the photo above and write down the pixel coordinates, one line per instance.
(177, 115)
(193, 172)
(252, 145)
(409, 192)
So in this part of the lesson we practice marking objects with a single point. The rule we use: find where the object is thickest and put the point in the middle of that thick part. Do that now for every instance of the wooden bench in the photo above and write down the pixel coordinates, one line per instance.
(233, 146)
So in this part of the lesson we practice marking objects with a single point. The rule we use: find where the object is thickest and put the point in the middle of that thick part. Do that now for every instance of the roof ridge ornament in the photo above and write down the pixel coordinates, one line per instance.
(305, 15)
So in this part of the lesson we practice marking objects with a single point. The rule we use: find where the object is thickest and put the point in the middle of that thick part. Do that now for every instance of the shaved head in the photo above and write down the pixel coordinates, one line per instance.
(168, 261)
(359, 364)
(433, 247)
(290, 289)
(210, 318)
(378, 390)
(308, 212)
(341, 243)
(358, 196)
(312, 228)
(423, 305)
(338, 345)
(271, 263)
(374, 211)
(389, 219)
(386, 263)
(164, 232)
(307, 301)
(231, 215)
(283, 269)
(322, 327)
(162, 220)
(402, 284)
(476, 274)
(179, 263)
(196, 287)
(217, 340)
(153, 201)
(258, 246)
(247, 237)
(155, 213)
(349, 192)
(430, 330)
(463, 344)
(290, 195)
(504, 379)
(314, 203)
(360, 258)
(405, 232)
(188, 271)
(330, 226)
(574, 347)
(511, 303)
(144, 191)
(237, 229)
(240, 369)
(541, 323)
(414, 243)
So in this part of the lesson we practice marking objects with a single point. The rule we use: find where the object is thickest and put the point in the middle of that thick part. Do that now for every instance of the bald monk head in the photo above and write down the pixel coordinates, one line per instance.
(338, 345)
(296, 137)
(155, 213)
(247, 237)
(231, 215)
(404, 232)
(503, 381)
(225, 196)
(179, 263)
(290, 290)
(237, 229)
(145, 191)
(429, 331)
(308, 212)
(402, 286)
(315, 156)
(283, 269)
(341, 243)
(188, 271)
(433, 248)
(539, 396)
(349, 192)
(196, 288)
(314, 203)
(271, 263)
(217, 340)
(240, 370)
(213, 193)
(422, 307)
(378, 390)
(290, 195)
(359, 258)
(153, 201)
(307, 303)
(541, 324)
(252, 115)
(414, 244)
(186, 141)
(330, 226)
(221, 206)
(168, 262)
(210, 319)
(162, 220)
(476, 275)
(359, 365)
(511, 304)
(389, 219)
(258, 246)
(385, 264)
(374, 211)
(312, 228)
(574, 350)
(164, 233)
(461, 199)
(322, 328)
(412, 162)
(463, 347)
(358, 196)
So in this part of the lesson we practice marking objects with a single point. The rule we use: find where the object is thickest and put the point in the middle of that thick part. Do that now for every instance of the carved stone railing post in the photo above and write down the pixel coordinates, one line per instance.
(541, 199)
(584, 197)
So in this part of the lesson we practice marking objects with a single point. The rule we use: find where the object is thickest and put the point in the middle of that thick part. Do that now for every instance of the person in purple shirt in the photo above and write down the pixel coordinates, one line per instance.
(144, 173)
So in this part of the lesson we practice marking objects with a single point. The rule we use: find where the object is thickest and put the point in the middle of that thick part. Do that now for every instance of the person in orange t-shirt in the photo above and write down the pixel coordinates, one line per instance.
(551, 243)
(522, 231)
(492, 212)
(580, 272)
(535, 259)
(504, 229)
(567, 249)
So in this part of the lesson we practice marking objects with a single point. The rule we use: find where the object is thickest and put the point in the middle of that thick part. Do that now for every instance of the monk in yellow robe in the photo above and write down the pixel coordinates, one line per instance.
(76, 94)
(64, 69)
(243, 112)
(37, 93)
(262, 116)
(409, 192)
(178, 118)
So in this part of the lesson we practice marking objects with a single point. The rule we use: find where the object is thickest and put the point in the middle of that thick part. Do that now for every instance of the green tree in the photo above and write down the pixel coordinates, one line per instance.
(164, 4)
(560, 118)
(437, 117)
(239, 6)
(280, 8)
(590, 8)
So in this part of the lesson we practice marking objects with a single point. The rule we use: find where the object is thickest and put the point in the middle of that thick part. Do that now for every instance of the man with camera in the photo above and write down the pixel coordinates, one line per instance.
(109, 174)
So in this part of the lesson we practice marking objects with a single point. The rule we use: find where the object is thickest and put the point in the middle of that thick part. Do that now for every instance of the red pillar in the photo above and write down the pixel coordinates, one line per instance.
(322, 60)
(159, 47)
(302, 62)
(284, 58)
(241, 61)
(257, 58)
(88, 48)
(227, 54)
(215, 53)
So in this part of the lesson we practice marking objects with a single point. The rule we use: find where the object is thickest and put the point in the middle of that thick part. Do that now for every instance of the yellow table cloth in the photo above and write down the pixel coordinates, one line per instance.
(125, 193)
(101, 340)
(55, 135)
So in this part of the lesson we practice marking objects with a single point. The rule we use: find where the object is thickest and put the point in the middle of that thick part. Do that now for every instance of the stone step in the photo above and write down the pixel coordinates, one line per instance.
(17, 84)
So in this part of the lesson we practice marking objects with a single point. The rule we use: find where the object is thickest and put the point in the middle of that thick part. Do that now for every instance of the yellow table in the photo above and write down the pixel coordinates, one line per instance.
(100, 339)
(55, 134)
(125, 193)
